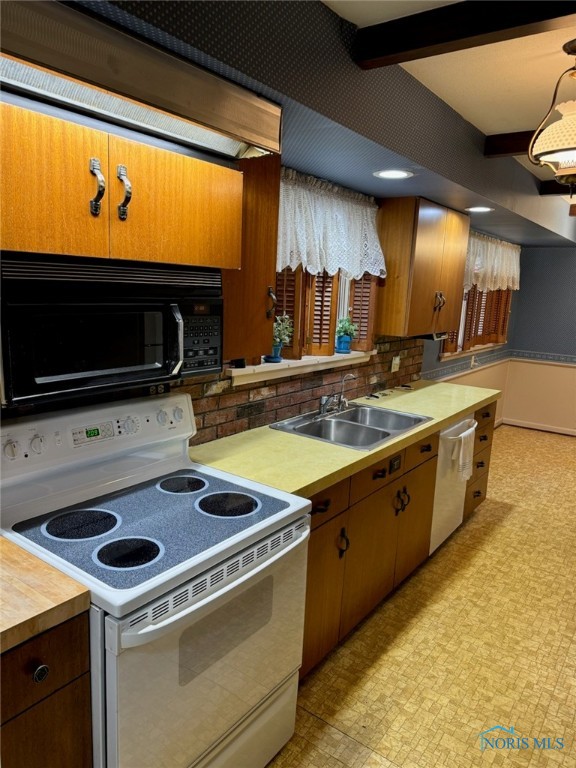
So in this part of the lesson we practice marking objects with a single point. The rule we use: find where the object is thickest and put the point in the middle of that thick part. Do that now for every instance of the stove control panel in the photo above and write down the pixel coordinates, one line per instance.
(47, 440)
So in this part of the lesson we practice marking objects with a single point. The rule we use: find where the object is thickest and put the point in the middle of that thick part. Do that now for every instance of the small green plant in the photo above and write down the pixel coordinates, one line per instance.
(345, 327)
(283, 329)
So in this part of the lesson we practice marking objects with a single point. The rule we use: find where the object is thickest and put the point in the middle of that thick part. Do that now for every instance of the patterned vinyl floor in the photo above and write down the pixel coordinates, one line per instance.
(483, 635)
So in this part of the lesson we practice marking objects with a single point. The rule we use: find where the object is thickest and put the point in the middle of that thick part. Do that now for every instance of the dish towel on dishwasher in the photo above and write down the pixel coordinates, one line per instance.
(463, 452)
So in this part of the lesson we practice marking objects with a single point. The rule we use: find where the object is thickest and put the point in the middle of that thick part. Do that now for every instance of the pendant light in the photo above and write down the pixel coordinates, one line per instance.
(555, 144)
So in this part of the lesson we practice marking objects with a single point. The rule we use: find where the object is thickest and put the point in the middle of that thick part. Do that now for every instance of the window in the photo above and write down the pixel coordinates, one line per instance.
(484, 320)
(492, 272)
(315, 302)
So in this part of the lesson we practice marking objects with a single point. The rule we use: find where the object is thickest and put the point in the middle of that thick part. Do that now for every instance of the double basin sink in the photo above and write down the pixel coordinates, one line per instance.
(359, 426)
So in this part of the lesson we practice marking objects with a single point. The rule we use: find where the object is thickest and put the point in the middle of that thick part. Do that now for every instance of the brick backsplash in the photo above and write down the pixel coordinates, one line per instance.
(221, 410)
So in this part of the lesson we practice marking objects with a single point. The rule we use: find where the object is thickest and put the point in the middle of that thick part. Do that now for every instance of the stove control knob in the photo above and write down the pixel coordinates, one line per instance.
(37, 444)
(130, 426)
(162, 418)
(11, 449)
(178, 413)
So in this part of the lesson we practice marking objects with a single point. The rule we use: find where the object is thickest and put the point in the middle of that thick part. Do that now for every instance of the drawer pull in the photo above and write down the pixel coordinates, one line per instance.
(323, 507)
(425, 448)
(480, 464)
(41, 673)
(486, 415)
(477, 494)
(483, 438)
(346, 547)
(379, 474)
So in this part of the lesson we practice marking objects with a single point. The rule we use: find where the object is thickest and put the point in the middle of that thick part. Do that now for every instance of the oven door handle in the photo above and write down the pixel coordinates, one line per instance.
(132, 638)
(180, 331)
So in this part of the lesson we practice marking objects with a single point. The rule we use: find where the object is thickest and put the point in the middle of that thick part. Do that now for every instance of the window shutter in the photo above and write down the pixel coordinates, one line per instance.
(289, 295)
(362, 298)
(485, 317)
(322, 298)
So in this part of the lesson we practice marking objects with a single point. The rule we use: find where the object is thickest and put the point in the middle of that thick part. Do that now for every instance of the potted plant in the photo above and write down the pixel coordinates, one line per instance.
(346, 330)
(282, 331)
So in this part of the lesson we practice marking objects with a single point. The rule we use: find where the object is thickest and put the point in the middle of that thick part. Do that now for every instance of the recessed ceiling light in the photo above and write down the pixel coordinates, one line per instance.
(479, 209)
(393, 174)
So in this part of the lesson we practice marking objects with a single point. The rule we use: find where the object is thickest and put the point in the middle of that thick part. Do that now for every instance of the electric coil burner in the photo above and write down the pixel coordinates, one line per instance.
(199, 573)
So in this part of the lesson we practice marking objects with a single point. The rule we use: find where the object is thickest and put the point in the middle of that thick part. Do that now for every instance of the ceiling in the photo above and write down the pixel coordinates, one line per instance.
(499, 87)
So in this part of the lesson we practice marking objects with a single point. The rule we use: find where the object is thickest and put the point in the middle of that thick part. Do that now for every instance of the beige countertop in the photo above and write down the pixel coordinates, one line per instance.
(304, 466)
(35, 596)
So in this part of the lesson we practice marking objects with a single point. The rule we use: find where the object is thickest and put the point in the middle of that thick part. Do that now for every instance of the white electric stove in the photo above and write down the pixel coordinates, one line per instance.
(197, 580)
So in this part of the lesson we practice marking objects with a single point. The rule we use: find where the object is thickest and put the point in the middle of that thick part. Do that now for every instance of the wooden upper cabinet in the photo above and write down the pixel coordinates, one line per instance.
(247, 290)
(424, 246)
(46, 185)
(181, 210)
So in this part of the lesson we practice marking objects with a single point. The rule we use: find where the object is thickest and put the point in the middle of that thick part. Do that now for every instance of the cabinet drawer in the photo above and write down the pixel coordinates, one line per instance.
(419, 452)
(377, 476)
(480, 465)
(329, 503)
(37, 668)
(475, 494)
(485, 416)
(483, 438)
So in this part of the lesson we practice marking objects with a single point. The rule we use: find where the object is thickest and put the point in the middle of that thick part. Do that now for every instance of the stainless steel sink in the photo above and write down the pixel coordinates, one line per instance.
(380, 418)
(360, 426)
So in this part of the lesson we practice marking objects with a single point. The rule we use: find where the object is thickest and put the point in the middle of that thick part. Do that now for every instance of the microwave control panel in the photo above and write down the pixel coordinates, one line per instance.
(202, 344)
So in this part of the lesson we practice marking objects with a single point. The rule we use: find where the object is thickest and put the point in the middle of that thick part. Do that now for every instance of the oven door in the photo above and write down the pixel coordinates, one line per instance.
(214, 684)
(57, 350)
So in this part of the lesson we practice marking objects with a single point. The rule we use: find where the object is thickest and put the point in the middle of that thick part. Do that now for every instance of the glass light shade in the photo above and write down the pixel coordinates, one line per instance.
(556, 145)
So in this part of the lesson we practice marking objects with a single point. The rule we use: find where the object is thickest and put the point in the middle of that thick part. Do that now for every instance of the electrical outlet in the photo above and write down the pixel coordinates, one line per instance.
(395, 364)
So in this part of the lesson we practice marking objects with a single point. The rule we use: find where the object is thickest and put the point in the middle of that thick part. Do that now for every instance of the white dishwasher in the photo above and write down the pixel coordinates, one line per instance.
(455, 456)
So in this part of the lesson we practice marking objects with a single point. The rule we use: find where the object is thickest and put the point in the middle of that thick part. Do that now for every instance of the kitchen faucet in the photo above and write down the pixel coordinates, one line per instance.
(335, 402)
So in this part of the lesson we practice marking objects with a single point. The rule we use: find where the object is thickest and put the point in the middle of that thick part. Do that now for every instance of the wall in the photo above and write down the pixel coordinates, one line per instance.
(222, 410)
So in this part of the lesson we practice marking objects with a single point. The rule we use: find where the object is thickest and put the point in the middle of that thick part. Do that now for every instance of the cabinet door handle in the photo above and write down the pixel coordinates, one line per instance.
(270, 311)
(477, 494)
(480, 464)
(96, 170)
(322, 507)
(398, 503)
(437, 300)
(483, 438)
(342, 550)
(122, 173)
(405, 496)
(426, 448)
(443, 299)
(40, 673)
(486, 415)
(379, 474)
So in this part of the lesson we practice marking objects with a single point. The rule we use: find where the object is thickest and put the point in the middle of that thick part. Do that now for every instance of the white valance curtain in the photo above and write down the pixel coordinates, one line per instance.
(491, 264)
(324, 227)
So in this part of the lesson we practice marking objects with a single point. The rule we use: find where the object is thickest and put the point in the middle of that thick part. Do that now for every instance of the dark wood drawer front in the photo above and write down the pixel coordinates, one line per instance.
(421, 451)
(480, 465)
(485, 416)
(377, 476)
(55, 732)
(329, 503)
(483, 439)
(475, 494)
(35, 669)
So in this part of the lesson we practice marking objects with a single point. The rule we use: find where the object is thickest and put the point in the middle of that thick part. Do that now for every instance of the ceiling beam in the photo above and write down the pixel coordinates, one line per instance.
(507, 144)
(552, 187)
(455, 27)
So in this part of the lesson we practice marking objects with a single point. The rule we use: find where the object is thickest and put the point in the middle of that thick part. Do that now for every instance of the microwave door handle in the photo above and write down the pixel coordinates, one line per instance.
(180, 330)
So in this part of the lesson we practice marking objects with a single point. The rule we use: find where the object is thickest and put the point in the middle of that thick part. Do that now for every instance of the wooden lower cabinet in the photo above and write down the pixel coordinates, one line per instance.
(477, 485)
(45, 700)
(358, 556)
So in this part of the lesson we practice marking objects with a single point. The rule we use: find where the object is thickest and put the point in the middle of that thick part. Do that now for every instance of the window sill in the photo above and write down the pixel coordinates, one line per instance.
(472, 351)
(267, 371)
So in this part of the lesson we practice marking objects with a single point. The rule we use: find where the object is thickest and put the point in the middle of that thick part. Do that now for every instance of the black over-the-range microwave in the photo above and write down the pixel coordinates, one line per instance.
(77, 328)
